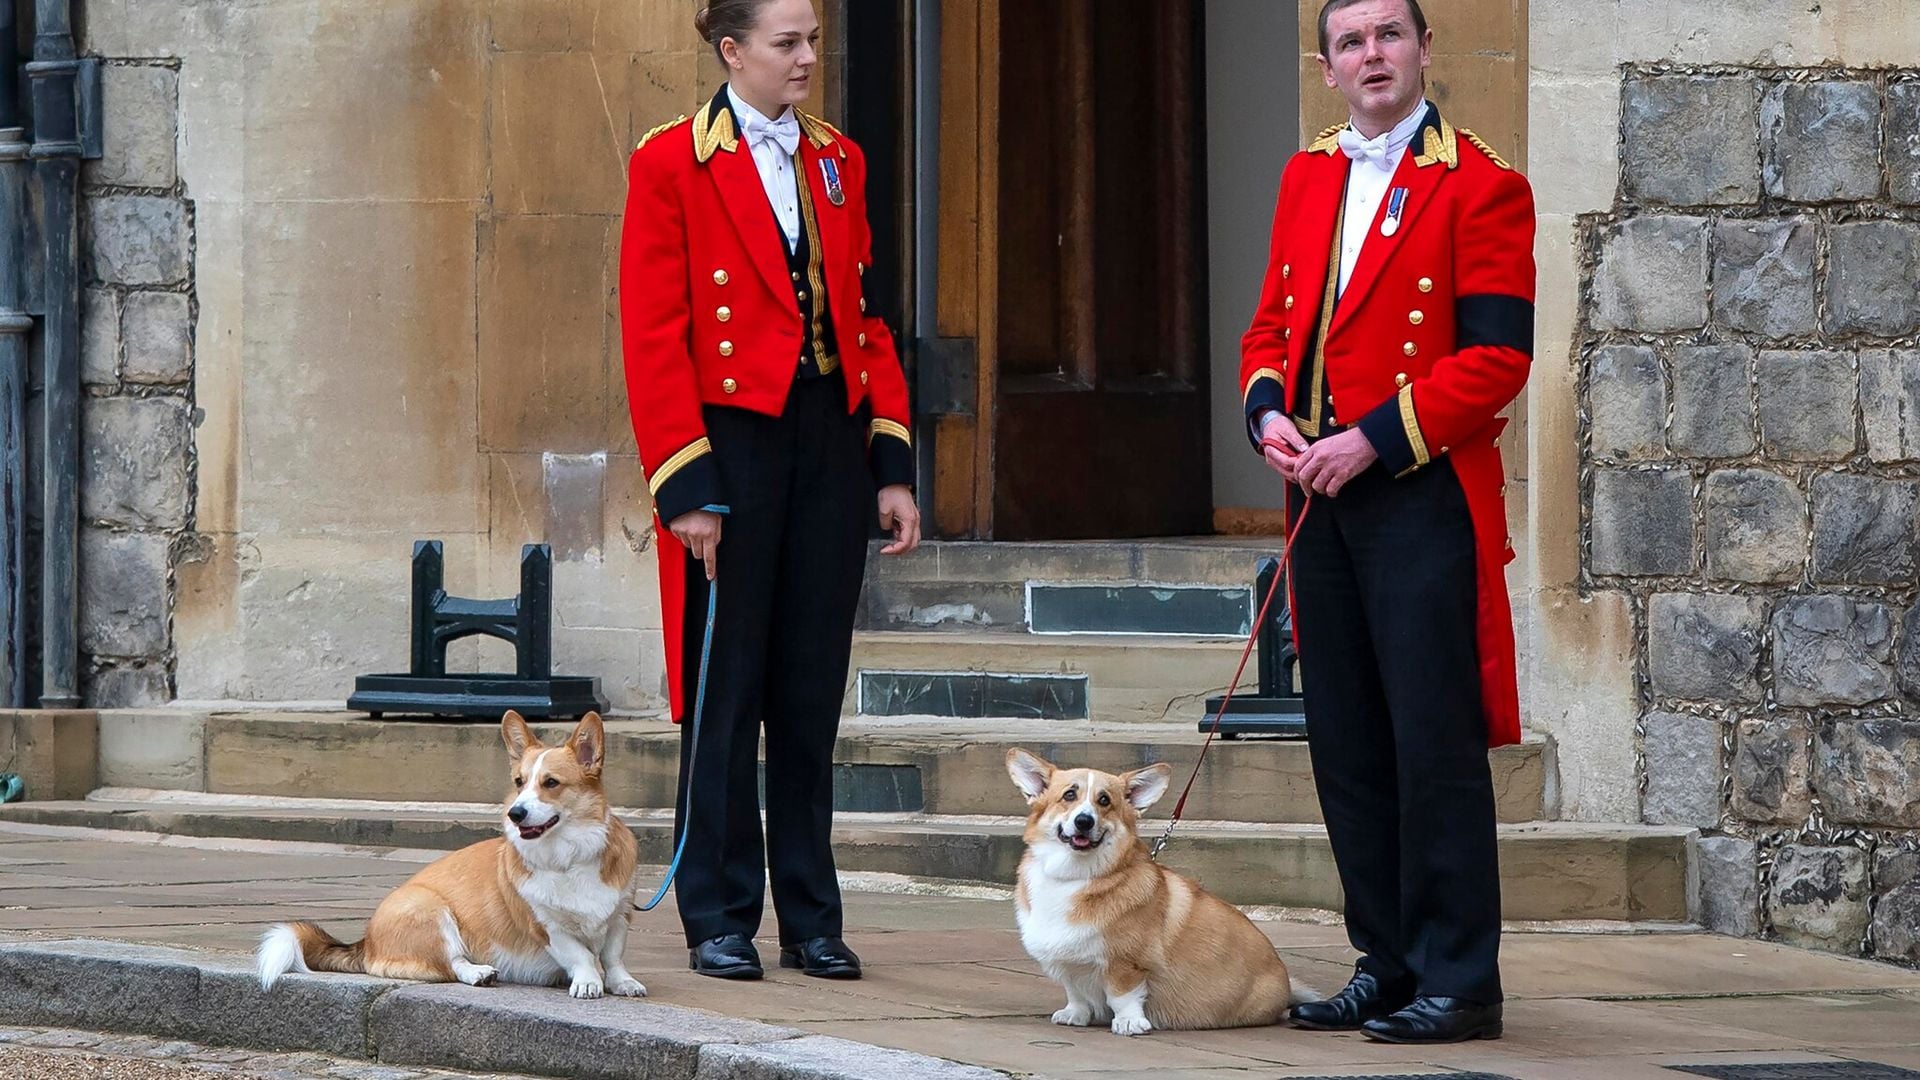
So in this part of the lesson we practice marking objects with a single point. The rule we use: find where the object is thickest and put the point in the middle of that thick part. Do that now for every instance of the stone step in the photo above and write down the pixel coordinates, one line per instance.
(931, 766)
(1549, 872)
(1111, 678)
(966, 586)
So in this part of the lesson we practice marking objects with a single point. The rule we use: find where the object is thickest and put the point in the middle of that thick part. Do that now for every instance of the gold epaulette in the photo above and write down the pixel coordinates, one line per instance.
(648, 137)
(1485, 149)
(820, 133)
(1327, 141)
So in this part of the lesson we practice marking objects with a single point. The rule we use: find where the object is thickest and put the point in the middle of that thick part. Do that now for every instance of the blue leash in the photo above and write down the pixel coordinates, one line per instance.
(699, 707)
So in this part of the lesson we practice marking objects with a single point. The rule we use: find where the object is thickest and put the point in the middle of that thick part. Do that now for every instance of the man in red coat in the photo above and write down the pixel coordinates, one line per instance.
(1396, 322)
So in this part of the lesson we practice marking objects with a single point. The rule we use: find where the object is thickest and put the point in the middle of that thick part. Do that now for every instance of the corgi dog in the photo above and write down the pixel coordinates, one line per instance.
(546, 904)
(1132, 942)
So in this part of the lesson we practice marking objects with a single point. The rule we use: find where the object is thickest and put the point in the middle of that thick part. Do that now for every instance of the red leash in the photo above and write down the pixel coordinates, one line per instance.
(1286, 566)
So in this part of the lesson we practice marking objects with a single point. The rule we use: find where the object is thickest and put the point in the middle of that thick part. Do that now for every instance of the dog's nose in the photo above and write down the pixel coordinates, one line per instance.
(517, 815)
(1083, 822)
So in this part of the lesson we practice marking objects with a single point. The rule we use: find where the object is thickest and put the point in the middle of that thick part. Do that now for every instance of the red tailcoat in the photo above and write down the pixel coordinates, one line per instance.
(709, 316)
(1432, 337)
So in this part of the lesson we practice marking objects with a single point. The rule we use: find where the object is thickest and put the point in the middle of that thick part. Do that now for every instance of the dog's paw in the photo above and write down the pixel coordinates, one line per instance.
(1131, 1025)
(1073, 1016)
(627, 987)
(477, 974)
(586, 988)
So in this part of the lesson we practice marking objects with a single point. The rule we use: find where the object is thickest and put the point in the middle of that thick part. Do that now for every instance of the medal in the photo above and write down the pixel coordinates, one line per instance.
(830, 172)
(1396, 206)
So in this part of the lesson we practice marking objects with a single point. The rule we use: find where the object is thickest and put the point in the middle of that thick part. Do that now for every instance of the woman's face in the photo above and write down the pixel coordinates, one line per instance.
(773, 67)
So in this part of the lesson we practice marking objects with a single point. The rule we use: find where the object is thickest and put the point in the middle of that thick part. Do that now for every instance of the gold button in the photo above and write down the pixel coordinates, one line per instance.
(796, 275)
(1503, 489)
(1286, 270)
(1288, 334)
(1426, 284)
(862, 266)
(1289, 303)
(719, 277)
(803, 296)
(726, 348)
(863, 339)
(863, 378)
(723, 313)
(1416, 317)
(1410, 349)
(729, 385)
(1400, 379)
(863, 303)
(1445, 449)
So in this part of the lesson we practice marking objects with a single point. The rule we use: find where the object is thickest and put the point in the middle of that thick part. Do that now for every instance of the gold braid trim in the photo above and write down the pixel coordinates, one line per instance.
(1411, 422)
(1485, 149)
(1327, 142)
(649, 136)
(890, 427)
(688, 453)
(712, 133)
(820, 133)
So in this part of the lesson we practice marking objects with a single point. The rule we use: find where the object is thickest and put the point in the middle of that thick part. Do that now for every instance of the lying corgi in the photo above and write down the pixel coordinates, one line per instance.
(545, 905)
(1129, 940)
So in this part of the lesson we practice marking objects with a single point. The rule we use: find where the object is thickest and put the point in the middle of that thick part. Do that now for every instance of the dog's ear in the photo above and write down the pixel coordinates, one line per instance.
(589, 743)
(517, 735)
(1030, 773)
(1145, 786)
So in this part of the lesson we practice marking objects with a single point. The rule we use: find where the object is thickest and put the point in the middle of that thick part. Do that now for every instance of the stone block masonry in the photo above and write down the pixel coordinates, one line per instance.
(1749, 347)
(137, 415)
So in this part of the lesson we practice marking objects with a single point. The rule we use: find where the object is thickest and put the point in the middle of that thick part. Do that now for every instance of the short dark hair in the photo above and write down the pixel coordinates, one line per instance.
(723, 19)
(1413, 7)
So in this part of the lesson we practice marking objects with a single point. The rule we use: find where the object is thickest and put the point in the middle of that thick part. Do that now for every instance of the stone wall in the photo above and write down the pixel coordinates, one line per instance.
(137, 310)
(1750, 476)
(351, 274)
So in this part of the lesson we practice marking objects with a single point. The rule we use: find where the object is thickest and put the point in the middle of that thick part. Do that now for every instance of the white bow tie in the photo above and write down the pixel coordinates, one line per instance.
(784, 132)
(1359, 148)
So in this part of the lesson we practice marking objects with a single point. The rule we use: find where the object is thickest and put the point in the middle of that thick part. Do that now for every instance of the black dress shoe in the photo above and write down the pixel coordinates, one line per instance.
(822, 958)
(1363, 999)
(1437, 1020)
(729, 956)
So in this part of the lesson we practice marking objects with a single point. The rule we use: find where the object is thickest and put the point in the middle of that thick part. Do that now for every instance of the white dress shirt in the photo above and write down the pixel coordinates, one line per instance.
(1367, 184)
(773, 143)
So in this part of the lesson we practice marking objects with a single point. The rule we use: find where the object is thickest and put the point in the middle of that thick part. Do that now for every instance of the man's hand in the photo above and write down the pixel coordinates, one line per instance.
(1278, 427)
(900, 516)
(699, 531)
(1328, 464)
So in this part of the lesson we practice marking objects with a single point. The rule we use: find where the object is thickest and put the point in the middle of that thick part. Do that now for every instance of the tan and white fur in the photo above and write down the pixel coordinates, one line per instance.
(1133, 943)
(546, 904)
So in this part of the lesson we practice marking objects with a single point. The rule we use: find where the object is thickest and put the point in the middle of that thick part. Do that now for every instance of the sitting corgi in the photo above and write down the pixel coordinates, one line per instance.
(546, 905)
(1131, 941)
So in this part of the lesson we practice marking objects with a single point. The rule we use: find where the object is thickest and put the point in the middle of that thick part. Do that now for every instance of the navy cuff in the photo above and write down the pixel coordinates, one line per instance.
(695, 486)
(1393, 431)
(891, 460)
(1265, 392)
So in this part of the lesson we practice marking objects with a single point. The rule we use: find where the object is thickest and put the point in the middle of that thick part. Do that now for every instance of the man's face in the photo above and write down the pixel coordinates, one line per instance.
(1376, 59)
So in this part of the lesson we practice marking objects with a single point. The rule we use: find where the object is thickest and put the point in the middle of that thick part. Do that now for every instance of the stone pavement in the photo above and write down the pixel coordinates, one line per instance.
(947, 976)
(63, 1054)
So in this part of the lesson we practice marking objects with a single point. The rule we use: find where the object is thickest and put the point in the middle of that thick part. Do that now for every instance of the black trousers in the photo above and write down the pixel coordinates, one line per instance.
(1385, 601)
(792, 553)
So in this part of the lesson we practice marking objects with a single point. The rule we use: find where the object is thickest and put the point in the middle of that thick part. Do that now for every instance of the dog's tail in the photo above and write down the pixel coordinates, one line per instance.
(305, 948)
(1302, 992)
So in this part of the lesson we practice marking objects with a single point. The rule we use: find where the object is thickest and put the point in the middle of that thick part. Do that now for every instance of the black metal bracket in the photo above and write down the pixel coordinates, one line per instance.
(1276, 709)
(438, 620)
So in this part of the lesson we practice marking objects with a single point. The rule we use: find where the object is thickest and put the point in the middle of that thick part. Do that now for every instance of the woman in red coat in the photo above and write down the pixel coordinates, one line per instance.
(770, 408)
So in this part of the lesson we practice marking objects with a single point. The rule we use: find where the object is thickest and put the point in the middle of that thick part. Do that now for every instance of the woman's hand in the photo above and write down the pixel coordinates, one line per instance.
(900, 516)
(699, 532)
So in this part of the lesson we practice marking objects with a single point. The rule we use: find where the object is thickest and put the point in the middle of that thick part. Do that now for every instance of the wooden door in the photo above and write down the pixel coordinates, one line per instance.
(1068, 396)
